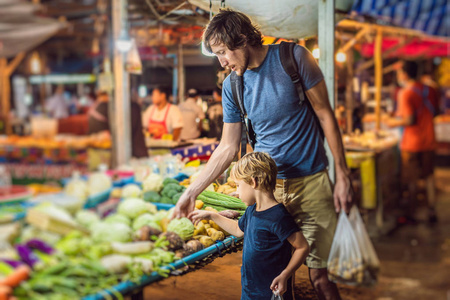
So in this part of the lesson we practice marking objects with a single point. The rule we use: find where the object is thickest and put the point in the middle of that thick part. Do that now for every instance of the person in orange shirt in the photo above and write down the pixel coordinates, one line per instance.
(417, 106)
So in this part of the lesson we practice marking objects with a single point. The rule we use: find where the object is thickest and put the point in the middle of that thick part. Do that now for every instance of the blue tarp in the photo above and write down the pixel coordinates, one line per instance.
(429, 16)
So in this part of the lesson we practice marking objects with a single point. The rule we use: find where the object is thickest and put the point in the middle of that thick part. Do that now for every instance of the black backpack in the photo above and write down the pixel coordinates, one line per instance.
(237, 87)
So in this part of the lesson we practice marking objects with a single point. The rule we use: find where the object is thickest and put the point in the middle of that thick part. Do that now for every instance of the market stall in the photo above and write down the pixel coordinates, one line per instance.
(61, 248)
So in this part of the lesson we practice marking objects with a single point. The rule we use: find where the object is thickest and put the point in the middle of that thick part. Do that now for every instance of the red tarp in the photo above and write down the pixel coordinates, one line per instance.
(417, 48)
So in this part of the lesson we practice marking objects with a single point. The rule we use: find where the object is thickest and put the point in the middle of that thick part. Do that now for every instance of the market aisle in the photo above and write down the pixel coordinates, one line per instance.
(415, 264)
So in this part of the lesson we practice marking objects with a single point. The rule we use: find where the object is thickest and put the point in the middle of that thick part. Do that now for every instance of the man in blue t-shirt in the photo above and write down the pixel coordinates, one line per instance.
(286, 130)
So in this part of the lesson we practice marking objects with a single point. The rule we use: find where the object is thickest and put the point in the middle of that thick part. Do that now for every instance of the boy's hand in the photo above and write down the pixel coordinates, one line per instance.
(198, 215)
(279, 284)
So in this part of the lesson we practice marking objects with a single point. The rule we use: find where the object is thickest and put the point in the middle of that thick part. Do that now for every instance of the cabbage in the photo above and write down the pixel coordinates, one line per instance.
(86, 218)
(116, 218)
(159, 215)
(131, 191)
(153, 182)
(146, 219)
(99, 182)
(183, 227)
(134, 207)
(77, 188)
(111, 232)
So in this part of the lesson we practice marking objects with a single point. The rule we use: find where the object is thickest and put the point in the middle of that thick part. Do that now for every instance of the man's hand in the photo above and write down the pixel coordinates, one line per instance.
(185, 206)
(343, 194)
(279, 284)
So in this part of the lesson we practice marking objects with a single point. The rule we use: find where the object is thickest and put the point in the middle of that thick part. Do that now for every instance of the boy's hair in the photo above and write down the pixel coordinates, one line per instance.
(256, 165)
(233, 29)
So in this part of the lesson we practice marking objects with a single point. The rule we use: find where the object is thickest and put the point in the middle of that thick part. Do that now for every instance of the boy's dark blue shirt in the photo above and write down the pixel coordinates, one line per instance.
(266, 250)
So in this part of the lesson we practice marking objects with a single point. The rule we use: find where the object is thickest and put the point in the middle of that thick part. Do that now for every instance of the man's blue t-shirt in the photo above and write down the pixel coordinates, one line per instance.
(266, 250)
(284, 129)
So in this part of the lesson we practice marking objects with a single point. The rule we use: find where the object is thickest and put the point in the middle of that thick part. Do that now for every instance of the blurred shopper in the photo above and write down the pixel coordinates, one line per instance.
(57, 105)
(215, 115)
(417, 105)
(193, 116)
(98, 120)
(162, 117)
(286, 130)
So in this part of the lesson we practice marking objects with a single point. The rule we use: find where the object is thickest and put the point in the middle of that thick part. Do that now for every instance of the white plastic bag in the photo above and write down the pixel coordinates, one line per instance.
(352, 259)
(276, 296)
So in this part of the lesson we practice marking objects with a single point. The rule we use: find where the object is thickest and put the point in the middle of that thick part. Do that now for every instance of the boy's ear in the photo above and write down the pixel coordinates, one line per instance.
(255, 183)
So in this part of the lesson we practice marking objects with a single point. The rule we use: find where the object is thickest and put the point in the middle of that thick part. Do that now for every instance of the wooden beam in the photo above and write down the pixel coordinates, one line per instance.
(392, 30)
(361, 33)
(349, 101)
(385, 54)
(378, 77)
(14, 63)
(326, 30)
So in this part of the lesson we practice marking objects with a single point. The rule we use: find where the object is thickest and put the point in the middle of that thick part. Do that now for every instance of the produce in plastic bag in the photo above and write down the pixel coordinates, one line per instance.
(352, 259)
(276, 296)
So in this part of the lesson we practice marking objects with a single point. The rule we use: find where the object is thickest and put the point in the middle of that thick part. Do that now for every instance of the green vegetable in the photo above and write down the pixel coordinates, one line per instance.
(218, 199)
(176, 197)
(183, 227)
(131, 191)
(134, 207)
(166, 200)
(170, 180)
(111, 232)
(116, 218)
(146, 219)
(171, 189)
(86, 218)
(153, 182)
(152, 196)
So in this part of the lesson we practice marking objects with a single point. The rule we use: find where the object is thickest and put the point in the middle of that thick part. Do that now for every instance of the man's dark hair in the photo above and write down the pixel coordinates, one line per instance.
(411, 68)
(165, 90)
(233, 29)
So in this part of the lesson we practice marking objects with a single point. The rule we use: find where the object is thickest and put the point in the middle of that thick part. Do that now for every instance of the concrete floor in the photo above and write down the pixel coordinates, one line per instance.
(415, 264)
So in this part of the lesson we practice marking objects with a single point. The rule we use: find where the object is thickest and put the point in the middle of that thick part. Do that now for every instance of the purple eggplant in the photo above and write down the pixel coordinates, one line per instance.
(27, 255)
(40, 246)
(12, 263)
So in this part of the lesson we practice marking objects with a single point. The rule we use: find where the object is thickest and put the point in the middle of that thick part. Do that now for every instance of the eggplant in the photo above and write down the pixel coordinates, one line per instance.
(11, 262)
(27, 255)
(40, 245)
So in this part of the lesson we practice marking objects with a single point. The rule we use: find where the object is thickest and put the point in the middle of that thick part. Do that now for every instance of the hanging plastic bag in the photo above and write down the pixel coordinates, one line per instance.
(345, 259)
(276, 296)
(352, 259)
(133, 63)
(371, 263)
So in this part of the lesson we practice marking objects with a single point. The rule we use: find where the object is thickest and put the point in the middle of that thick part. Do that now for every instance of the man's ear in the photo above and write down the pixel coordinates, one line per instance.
(244, 37)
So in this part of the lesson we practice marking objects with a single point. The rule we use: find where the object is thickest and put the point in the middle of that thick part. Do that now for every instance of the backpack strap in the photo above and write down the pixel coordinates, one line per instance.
(237, 88)
(290, 67)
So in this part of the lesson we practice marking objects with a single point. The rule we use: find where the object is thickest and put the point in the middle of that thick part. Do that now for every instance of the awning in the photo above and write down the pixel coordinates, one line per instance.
(429, 16)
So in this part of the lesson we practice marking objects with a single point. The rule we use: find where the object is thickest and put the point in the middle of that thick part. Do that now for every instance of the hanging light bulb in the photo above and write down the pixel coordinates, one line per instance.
(341, 57)
(316, 52)
(123, 43)
(35, 63)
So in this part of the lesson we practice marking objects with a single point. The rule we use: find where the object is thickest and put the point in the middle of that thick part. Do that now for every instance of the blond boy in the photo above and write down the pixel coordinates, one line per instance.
(271, 234)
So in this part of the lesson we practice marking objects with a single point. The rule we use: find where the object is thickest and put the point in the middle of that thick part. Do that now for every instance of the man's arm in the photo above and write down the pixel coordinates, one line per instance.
(176, 133)
(343, 192)
(217, 164)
